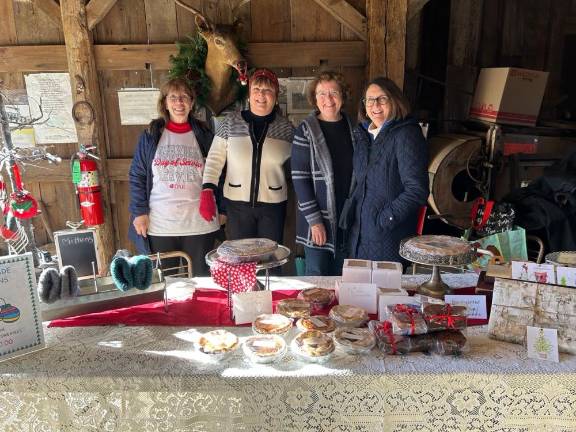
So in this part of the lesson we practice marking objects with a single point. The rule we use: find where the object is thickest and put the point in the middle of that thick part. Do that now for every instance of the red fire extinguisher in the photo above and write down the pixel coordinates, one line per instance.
(85, 176)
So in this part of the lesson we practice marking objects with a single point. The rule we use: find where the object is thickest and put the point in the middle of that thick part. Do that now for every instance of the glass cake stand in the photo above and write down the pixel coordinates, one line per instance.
(276, 259)
(437, 256)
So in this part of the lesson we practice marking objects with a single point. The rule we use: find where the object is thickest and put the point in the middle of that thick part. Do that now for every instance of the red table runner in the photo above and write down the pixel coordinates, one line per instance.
(208, 308)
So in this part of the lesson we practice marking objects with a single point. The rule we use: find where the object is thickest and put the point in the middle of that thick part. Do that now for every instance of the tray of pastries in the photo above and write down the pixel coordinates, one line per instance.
(317, 297)
(246, 250)
(437, 250)
(320, 323)
(313, 346)
(218, 344)
(348, 316)
(272, 324)
(293, 308)
(264, 348)
(355, 340)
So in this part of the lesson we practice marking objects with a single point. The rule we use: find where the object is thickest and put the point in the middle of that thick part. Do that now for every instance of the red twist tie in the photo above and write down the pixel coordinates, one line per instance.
(386, 328)
(449, 319)
(401, 308)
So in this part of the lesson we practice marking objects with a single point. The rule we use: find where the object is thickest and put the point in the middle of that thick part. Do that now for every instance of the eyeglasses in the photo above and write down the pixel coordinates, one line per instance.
(331, 93)
(264, 91)
(381, 100)
(182, 98)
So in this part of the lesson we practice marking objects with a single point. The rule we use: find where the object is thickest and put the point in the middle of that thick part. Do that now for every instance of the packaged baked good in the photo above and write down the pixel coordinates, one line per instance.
(354, 340)
(444, 317)
(348, 316)
(321, 323)
(246, 250)
(293, 308)
(218, 344)
(313, 346)
(318, 297)
(407, 320)
(449, 342)
(264, 348)
(393, 344)
(272, 324)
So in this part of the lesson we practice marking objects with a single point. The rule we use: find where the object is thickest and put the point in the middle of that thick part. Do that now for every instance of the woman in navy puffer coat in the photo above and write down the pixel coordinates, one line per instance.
(390, 174)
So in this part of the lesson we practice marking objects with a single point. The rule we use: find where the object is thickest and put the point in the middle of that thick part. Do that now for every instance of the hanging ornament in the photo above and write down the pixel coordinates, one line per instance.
(23, 205)
(9, 230)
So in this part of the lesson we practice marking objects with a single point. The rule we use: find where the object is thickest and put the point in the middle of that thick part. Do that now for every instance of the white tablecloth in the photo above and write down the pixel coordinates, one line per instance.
(149, 378)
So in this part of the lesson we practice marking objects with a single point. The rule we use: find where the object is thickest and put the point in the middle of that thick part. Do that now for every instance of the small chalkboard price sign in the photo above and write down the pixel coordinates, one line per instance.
(78, 249)
(21, 329)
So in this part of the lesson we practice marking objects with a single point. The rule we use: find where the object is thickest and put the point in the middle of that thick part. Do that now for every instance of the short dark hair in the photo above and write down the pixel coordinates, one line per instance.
(174, 84)
(399, 105)
(323, 77)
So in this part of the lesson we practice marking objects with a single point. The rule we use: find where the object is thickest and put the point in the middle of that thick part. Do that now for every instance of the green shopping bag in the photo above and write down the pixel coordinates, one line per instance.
(511, 245)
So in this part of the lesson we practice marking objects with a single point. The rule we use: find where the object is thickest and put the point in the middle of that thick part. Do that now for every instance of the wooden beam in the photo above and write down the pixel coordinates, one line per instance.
(42, 170)
(50, 8)
(42, 58)
(89, 117)
(346, 15)
(96, 10)
(387, 39)
(415, 7)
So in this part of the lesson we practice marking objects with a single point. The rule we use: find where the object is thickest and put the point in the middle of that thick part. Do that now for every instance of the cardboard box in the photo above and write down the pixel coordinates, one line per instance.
(509, 96)
(357, 270)
(364, 295)
(387, 274)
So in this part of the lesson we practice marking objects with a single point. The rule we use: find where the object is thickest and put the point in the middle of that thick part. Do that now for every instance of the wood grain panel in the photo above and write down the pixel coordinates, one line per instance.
(161, 20)
(7, 23)
(270, 20)
(34, 26)
(125, 23)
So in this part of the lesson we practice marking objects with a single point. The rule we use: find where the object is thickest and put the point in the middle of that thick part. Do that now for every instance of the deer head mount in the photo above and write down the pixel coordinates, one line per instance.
(222, 58)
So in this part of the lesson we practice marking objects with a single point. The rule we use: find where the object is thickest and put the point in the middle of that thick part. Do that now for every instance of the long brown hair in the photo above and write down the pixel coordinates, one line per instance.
(399, 105)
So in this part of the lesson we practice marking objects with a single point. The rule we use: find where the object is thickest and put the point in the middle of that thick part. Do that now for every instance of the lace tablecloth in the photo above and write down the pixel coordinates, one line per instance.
(150, 379)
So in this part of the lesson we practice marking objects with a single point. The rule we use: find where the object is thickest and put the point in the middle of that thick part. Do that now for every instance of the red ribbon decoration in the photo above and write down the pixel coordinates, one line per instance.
(402, 308)
(448, 318)
(386, 328)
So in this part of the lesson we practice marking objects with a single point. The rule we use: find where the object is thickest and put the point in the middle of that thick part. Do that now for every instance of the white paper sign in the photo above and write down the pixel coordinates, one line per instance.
(21, 329)
(138, 105)
(247, 306)
(542, 343)
(475, 304)
(364, 295)
(51, 92)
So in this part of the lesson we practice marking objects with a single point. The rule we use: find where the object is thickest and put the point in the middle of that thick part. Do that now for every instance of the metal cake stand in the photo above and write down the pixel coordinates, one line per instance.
(435, 287)
(276, 259)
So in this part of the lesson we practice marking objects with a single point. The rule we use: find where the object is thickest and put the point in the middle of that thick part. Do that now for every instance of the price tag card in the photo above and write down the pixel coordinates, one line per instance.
(542, 343)
(248, 305)
(364, 295)
(475, 304)
(21, 329)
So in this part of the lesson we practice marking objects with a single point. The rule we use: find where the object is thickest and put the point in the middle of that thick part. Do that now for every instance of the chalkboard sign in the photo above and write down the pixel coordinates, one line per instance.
(78, 249)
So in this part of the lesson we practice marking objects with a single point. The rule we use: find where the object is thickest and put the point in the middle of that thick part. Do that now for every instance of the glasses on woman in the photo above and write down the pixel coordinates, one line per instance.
(265, 91)
(381, 100)
(181, 98)
(324, 94)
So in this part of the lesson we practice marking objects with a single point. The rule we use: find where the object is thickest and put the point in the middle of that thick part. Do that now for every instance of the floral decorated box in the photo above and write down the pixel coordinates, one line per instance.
(517, 304)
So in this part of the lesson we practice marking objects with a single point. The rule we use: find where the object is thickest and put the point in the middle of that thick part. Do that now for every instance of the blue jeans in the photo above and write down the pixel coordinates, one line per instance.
(322, 262)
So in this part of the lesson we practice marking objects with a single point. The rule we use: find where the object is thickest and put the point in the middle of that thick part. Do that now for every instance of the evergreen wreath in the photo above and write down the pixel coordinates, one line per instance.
(189, 64)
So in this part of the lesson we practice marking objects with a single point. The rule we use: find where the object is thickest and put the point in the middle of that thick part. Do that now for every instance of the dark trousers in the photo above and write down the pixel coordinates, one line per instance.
(245, 221)
(197, 246)
(322, 262)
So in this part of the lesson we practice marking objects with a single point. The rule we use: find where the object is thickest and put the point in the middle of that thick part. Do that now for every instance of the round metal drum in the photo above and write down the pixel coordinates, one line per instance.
(452, 190)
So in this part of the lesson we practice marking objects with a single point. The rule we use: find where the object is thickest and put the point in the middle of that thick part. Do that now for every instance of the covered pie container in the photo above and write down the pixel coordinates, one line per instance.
(264, 348)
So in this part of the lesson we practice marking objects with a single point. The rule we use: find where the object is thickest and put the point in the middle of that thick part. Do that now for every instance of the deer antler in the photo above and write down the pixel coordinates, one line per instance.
(202, 22)
(237, 7)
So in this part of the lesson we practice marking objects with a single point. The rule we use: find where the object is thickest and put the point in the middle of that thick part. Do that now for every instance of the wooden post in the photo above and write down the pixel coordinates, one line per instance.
(387, 38)
(87, 111)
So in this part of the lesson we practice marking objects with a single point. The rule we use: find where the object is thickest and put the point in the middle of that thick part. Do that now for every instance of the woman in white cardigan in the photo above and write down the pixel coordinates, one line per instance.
(254, 146)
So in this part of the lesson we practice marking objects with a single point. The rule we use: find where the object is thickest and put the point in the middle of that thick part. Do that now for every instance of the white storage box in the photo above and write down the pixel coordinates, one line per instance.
(364, 295)
(387, 274)
(357, 270)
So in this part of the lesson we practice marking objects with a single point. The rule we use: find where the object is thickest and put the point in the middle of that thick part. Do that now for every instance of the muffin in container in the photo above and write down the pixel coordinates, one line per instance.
(217, 344)
(354, 340)
(264, 348)
(320, 323)
(272, 324)
(348, 316)
(313, 346)
(293, 308)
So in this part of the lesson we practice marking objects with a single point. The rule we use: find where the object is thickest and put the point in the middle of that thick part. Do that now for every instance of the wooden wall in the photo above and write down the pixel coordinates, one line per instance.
(156, 22)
